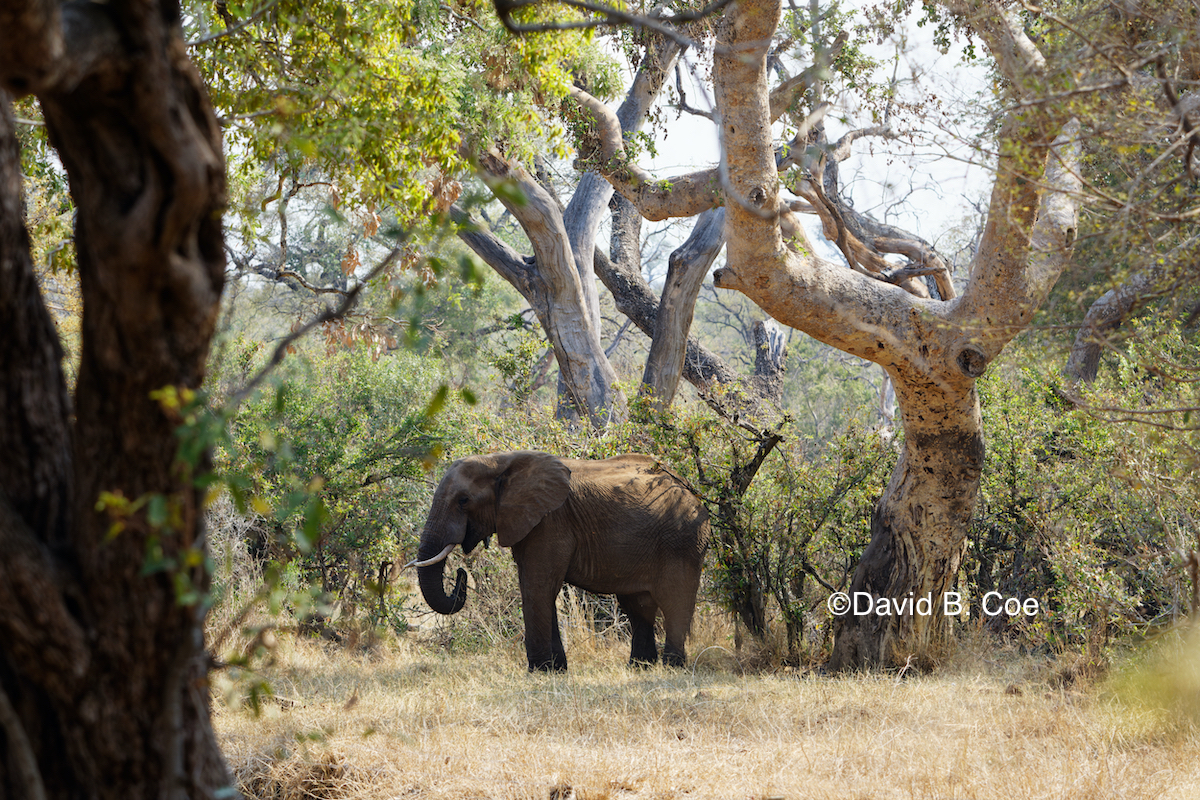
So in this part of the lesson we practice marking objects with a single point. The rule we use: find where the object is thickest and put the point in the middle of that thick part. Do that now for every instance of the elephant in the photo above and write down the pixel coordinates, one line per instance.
(624, 526)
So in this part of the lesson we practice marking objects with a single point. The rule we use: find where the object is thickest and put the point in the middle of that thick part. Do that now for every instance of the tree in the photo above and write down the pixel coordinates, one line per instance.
(1141, 65)
(933, 350)
(102, 567)
(393, 104)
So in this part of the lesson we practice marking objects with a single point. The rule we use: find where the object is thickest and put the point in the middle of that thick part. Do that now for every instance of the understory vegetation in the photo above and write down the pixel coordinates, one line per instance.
(1093, 520)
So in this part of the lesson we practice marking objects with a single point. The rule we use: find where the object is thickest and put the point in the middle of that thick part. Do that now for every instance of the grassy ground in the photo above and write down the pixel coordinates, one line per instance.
(409, 720)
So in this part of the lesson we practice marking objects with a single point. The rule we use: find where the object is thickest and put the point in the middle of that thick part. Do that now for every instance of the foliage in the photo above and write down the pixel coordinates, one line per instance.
(797, 532)
(332, 461)
(1132, 72)
(1090, 518)
(368, 109)
(380, 97)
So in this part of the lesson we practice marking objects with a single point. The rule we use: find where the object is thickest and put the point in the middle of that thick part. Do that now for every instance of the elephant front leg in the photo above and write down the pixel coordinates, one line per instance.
(641, 611)
(559, 661)
(543, 641)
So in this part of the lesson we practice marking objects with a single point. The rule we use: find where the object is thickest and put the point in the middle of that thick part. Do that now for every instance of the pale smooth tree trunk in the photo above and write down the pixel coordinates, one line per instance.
(687, 267)
(553, 288)
(933, 349)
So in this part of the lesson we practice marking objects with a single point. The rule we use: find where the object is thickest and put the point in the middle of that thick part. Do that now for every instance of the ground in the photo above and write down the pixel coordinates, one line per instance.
(411, 720)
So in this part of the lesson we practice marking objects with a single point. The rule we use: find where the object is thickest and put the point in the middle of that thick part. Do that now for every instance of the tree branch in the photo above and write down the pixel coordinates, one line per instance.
(1020, 264)
(611, 17)
(681, 196)
(328, 315)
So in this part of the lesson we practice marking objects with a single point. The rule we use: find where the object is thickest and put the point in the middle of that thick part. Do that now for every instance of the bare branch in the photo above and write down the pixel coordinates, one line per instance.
(681, 196)
(1114, 307)
(298, 278)
(682, 105)
(1193, 136)
(783, 95)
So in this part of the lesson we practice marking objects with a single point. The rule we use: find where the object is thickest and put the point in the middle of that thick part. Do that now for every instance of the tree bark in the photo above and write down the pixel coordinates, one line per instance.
(552, 286)
(102, 659)
(636, 300)
(770, 354)
(687, 267)
(933, 350)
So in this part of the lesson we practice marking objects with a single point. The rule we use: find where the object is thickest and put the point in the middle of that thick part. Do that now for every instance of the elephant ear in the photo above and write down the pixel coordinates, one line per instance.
(533, 485)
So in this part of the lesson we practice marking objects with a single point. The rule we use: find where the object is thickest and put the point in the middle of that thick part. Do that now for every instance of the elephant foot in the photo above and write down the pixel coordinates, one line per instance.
(673, 657)
(552, 665)
(641, 663)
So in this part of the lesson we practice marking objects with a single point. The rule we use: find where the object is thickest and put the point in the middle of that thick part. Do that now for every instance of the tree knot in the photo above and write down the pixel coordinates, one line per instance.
(972, 361)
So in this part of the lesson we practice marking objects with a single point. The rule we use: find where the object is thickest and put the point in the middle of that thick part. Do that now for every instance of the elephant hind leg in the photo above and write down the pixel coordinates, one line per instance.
(641, 610)
(677, 611)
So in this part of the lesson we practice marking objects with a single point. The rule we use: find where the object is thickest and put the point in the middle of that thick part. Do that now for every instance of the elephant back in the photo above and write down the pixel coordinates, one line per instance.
(635, 494)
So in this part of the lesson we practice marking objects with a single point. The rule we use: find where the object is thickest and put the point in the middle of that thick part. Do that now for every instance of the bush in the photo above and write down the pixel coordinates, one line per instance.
(1088, 516)
(332, 465)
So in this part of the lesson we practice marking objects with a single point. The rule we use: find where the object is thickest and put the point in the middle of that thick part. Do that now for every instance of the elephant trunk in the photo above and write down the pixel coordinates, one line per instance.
(431, 579)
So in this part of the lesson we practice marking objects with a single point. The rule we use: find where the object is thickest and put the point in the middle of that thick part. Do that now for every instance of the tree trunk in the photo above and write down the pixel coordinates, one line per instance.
(103, 671)
(552, 286)
(636, 300)
(933, 350)
(687, 267)
(770, 359)
(918, 536)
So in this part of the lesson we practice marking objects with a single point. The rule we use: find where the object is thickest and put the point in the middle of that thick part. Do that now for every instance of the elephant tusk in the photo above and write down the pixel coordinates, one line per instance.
(430, 561)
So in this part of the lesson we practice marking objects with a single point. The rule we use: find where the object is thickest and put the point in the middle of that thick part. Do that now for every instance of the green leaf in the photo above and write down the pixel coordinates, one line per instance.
(157, 510)
(509, 191)
(438, 402)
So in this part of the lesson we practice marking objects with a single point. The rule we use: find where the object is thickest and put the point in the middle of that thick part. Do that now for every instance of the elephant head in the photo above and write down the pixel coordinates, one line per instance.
(507, 494)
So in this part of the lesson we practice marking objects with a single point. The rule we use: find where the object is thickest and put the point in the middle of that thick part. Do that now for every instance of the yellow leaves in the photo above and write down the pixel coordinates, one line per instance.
(376, 338)
(174, 401)
(443, 192)
(159, 511)
(351, 261)
(285, 106)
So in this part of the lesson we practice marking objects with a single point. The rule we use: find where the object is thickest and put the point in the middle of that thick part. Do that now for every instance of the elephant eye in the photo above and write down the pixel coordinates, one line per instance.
(462, 501)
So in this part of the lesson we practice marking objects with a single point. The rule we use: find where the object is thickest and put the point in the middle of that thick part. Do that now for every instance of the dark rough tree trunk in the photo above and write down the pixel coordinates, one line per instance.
(103, 671)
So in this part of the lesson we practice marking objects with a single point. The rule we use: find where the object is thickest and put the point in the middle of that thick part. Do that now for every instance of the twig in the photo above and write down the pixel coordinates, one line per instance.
(1188, 128)
(683, 103)
(328, 315)
(247, 22)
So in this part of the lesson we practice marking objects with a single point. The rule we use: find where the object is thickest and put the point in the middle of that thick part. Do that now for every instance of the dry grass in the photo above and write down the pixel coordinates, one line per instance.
(412, 721)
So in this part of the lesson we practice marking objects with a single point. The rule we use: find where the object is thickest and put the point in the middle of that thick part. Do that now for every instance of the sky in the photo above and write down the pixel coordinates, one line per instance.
(927, 186)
